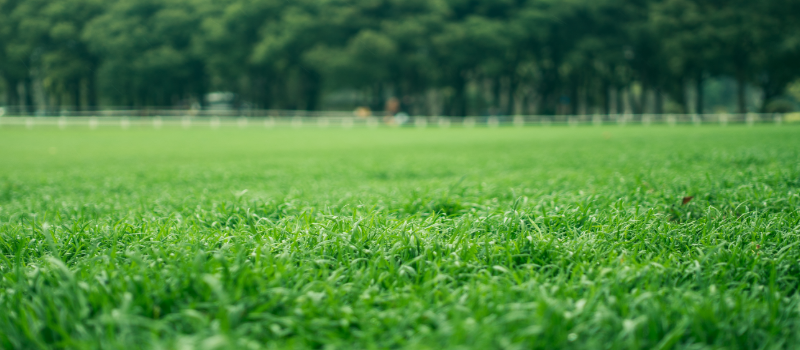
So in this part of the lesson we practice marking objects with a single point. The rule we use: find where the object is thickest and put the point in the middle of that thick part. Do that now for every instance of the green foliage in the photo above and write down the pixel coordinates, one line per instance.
(794, 90)
(147, 49)
(780, 106)
(393, 238)
(465, 57)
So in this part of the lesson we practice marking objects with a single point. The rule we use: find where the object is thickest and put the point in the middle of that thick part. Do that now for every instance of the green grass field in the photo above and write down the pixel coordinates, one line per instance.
(532, 238)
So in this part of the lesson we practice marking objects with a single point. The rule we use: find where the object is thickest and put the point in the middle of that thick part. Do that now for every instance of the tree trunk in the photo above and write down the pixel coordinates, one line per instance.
(642, 105)
(740, 94)
(497, 88)
(12, 95)
(58, 99)
(513, 84)
(699, 108)
(259, 90)
(279, 91)
(680, 96)
(377, 98)
(574, 99)
(606, 98)
(769, 95)
(76, 95)
(265, 92)
(548, 103)
(311, 89)
(459, 106)
(28, 102)
(549, 92)
(659, 105)
(636, 104)
(91, 91)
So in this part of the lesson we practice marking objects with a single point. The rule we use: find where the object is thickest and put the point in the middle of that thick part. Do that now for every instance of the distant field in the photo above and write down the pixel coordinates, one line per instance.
(507, 238)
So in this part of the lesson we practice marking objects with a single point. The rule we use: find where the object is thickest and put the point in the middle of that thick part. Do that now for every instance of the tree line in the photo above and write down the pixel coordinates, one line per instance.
(446, 57)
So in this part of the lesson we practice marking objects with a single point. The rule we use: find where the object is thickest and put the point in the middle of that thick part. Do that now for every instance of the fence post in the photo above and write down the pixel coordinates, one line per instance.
(468, 122)
(372, 122)
(572, 121)
(750, 119)
(672, 120)
(519, 121)
(347, 122)
(622, 119)
(696, 119)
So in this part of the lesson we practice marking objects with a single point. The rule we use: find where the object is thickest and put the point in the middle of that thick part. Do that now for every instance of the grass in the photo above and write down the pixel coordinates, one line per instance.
(533, 238)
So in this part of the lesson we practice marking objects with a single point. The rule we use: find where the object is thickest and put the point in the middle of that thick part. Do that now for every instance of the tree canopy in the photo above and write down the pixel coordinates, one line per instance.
(447, 57)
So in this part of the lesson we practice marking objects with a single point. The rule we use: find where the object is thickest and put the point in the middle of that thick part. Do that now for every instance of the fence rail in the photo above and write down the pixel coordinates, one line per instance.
(323, 120)
(167, 112)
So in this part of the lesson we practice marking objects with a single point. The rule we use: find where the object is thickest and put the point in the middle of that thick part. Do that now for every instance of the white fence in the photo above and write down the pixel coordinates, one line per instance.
(338, 121)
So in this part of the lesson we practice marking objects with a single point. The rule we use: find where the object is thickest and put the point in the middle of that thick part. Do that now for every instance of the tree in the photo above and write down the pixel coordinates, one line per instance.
(148, 57)
(226, 40)
(777, 66)
(13, 55)
(455, 57)
(282, 46)
(52, 29)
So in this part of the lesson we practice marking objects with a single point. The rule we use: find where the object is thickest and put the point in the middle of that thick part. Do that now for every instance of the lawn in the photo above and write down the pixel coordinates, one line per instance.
(509, 238)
